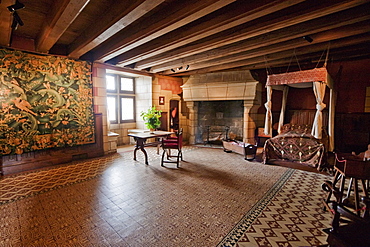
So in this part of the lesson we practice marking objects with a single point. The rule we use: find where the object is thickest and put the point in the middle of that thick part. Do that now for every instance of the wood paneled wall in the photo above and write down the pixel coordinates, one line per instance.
(301, 117)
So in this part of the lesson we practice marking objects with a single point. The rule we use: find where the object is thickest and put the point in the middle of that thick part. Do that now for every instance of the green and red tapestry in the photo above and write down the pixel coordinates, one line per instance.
(45, 102)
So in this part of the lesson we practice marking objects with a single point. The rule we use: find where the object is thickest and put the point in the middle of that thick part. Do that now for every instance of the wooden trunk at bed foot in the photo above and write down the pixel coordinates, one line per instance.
(248, 150)
(12, 164)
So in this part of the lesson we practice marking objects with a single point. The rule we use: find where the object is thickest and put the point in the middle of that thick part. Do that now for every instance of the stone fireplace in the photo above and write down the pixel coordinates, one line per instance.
(221, 102)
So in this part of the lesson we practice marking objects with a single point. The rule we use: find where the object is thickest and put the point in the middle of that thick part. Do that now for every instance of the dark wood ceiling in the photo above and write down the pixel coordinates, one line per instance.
(177, 37)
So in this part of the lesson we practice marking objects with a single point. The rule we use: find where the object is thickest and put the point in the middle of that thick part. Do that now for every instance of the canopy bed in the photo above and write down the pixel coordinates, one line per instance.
(304, 145)
(295, 143)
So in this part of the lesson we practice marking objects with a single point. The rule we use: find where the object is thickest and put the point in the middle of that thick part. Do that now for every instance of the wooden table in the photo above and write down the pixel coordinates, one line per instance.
(142, 137)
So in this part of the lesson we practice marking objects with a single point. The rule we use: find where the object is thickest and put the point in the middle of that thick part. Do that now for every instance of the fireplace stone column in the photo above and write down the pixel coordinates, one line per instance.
(249, 125)
(193, 120)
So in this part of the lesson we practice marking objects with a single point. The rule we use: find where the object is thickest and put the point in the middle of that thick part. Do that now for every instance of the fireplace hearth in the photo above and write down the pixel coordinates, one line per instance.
(217, 119)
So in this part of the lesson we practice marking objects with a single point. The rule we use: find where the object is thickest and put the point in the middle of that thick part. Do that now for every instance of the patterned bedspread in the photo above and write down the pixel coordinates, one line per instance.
(296, 146)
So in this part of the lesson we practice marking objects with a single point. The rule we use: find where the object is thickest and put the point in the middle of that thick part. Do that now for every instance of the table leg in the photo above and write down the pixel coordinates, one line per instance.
(140, 144)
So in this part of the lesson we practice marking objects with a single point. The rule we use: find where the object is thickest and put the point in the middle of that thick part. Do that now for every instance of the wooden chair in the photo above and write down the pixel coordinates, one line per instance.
(174, 138)
(172, 144)
(356, 172)
(169, 138)
(351, 221)
(349, 228)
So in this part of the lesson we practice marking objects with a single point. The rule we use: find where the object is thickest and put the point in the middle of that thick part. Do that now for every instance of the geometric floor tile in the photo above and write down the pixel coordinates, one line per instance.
(293, 216)
(20, 186)
(116, 201)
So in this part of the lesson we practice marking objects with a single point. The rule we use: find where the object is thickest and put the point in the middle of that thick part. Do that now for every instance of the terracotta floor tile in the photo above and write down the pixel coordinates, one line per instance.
(116, 201)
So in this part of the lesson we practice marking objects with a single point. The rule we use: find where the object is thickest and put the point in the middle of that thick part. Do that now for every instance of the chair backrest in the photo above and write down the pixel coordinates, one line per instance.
(179, 132)
(179, 138)
(352, 166)
(173, 142)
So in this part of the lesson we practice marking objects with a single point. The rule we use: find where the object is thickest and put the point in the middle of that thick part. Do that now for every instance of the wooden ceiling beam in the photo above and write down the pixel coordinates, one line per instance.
(59, 18)
(321, 48)
(120, 69)
(287, 51)
(157, 35)
(238, 14)
(296, 31)
(5, 22)
(351, 53)
(316, 59)
(310, 62)
(284, 62)
(338, 33)
(265, 25)
(117, 18)
(315, 52)
(176, 15)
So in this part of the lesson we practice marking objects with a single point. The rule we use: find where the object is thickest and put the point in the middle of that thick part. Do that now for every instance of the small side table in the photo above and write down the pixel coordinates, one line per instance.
(261, 137)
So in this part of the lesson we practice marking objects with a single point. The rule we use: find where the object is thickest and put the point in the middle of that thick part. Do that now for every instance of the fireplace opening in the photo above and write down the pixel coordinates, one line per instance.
(218, 120)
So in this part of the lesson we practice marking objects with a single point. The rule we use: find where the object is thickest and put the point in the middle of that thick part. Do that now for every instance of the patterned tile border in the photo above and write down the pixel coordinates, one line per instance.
(20, 186)
(31, 183)
(238, 231)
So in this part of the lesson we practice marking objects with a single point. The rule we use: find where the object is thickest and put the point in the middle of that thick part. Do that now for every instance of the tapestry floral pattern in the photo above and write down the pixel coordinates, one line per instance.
(45, 102)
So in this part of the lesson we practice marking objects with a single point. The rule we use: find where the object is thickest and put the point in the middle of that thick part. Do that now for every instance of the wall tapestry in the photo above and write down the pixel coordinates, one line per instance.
(45, 102)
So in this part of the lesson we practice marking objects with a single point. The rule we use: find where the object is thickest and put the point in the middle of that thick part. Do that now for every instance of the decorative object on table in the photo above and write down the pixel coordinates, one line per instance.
(152, 118)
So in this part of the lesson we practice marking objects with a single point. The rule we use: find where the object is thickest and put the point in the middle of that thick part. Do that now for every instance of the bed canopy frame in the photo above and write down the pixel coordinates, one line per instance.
(318, 79)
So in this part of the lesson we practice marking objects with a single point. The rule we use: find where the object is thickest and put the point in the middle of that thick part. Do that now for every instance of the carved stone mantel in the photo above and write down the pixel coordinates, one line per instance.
(230, 85)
